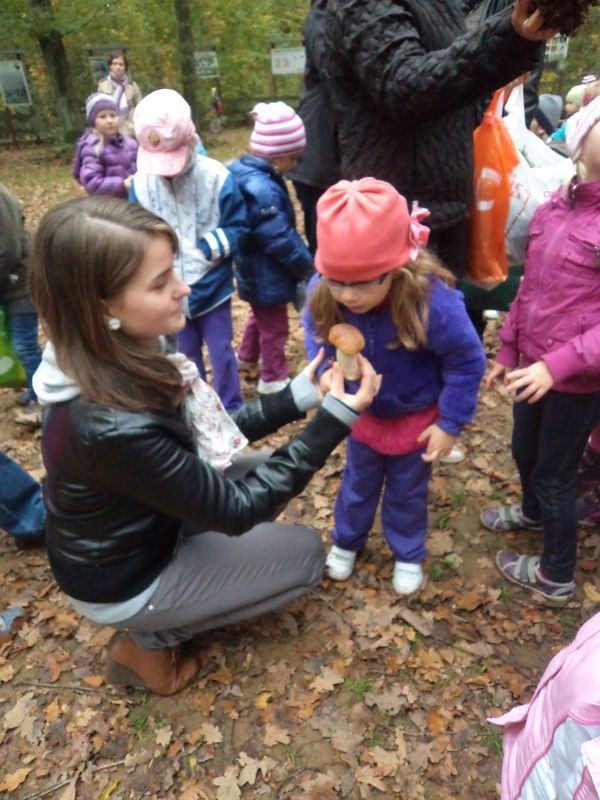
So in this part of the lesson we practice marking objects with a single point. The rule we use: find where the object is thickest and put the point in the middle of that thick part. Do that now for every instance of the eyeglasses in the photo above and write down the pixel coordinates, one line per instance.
(339, 285)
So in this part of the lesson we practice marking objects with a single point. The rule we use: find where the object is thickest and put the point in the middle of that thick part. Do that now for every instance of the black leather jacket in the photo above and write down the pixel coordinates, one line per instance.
(406, 80)
(122, 486)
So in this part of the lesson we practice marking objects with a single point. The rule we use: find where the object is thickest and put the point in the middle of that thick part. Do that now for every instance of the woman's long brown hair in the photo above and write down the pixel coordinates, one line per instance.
(408, 298)
(87, 251)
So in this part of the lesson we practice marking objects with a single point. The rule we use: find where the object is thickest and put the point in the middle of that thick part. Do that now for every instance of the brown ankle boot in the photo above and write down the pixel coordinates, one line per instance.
(160, 671)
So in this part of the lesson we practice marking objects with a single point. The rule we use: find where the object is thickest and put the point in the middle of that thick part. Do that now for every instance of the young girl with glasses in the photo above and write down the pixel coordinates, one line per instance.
(375, 275)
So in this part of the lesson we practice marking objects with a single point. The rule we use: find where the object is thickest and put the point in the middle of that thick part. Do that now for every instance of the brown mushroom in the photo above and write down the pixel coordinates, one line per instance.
(348, 342)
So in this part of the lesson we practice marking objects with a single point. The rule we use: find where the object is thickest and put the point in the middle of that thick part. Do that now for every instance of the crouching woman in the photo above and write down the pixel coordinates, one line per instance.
(157, 524)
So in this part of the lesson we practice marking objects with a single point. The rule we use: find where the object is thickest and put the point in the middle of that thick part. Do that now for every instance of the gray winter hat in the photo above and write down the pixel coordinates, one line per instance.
(548, 112)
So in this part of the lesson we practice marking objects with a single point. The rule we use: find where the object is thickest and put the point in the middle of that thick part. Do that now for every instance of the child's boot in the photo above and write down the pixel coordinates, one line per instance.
(408, 578)
(339, 564)
(588, 508)
(588, 474)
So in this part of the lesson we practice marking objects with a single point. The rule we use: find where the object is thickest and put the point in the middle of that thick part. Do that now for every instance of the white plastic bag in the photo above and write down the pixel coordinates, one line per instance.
(540, 171)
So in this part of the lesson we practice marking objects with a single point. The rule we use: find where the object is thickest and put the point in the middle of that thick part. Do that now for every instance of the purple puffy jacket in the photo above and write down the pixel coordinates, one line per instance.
(103, 172)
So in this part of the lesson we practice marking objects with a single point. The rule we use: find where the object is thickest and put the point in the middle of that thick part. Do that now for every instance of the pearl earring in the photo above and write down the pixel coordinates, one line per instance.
(114, 323)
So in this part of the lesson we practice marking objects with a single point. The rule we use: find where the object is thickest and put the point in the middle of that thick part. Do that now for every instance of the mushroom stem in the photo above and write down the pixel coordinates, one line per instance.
(349, 365)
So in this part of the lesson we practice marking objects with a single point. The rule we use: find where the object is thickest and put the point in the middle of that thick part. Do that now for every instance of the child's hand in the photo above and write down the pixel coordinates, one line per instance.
(127, 183)
(439, 442)
(497, 371)
(531, 382)
(370, 383)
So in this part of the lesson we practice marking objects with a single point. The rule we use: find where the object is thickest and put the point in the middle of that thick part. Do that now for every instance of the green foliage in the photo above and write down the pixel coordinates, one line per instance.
(241, 33)
(582, 58)
(359, 687)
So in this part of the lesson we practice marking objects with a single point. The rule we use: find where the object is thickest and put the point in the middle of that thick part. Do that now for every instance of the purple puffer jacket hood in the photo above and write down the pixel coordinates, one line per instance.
(555, 317)
(103, 170)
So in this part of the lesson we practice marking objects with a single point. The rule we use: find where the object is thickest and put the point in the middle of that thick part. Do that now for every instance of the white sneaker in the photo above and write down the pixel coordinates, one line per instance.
(491, 313)
(270, 387)
(455, 456)
(339, 563)
(408, 578)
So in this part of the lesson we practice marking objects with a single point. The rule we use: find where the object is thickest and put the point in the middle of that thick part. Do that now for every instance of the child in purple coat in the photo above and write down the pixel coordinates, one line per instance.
(104, 159)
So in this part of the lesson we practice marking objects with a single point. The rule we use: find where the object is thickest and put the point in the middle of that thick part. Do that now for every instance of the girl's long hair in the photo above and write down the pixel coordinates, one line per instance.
(408, 298)
(87, 251)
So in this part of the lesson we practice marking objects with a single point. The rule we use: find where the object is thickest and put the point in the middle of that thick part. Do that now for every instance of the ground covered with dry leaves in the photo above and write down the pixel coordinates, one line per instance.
(351, 693)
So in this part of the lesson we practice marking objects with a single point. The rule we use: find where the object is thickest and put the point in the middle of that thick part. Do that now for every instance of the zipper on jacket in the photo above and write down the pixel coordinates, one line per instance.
(589, 246)
(172, 190)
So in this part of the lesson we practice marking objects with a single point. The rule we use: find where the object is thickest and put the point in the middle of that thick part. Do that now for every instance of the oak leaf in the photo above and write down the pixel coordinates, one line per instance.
(326, 680)
(275, 735)
(228, 787)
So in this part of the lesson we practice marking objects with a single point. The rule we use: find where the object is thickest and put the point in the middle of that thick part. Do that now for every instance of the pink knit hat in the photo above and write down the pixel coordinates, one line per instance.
(364, 230)
(165, 131)
(579, 125)
(278, 131)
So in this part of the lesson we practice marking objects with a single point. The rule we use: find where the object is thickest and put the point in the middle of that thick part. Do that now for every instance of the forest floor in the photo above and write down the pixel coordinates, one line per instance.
(351, 692)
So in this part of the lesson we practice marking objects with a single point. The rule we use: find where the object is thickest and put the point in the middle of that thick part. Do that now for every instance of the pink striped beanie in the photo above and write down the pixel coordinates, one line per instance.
(278, 131)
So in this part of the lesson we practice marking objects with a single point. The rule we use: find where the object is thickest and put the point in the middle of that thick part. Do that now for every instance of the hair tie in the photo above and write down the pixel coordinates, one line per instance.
(418, 234)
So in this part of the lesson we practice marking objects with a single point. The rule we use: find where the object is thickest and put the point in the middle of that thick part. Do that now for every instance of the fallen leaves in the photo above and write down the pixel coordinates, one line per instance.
(349, 692)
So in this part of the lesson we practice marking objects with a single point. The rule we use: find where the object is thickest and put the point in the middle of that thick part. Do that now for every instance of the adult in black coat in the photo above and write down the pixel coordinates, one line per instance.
(318, 166)
(406, 81)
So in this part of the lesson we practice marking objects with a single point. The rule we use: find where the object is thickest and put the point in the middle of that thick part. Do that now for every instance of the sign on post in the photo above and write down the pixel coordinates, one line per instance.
(556, 49)
(13, 84)
(207, 63)
(288, 60)
(99, 68)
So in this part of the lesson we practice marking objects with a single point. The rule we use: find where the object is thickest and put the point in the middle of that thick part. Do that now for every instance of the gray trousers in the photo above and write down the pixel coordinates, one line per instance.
(214, 580)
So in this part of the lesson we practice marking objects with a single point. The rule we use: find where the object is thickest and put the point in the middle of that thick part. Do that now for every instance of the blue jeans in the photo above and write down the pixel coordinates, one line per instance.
(547, 443)
(23, 327)
(216, 329)
(22, 511)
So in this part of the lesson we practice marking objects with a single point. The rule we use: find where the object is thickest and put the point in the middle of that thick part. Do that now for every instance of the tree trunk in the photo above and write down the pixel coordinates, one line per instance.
(57, 66)
(185, 36)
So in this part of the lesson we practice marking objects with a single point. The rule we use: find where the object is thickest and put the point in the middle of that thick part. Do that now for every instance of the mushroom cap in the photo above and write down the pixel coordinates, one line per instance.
(346, 338)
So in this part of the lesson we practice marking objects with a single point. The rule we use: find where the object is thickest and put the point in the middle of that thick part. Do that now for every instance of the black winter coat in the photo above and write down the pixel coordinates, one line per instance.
(404, 78)
(122, 486)
(318, 165)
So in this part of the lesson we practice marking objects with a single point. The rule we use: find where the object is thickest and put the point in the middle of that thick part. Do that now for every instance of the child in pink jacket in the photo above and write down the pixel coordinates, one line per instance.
(552, 745)
(550, 360)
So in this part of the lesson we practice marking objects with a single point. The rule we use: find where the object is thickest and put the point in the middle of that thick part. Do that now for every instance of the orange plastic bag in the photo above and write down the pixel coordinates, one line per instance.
(495, 158)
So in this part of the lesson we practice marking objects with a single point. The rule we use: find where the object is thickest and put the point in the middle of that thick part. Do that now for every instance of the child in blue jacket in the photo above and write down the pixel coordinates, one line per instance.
(418, 336)
(198, 197)
(273, 260)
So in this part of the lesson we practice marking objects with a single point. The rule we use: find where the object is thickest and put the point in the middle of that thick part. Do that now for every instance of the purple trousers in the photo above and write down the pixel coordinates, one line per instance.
(216, 329)
(404, 481)
(265, 335)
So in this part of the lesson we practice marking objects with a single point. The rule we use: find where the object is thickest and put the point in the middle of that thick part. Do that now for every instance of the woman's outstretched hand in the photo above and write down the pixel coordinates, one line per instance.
(310, 370)
(370, 383)
(529, 23)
